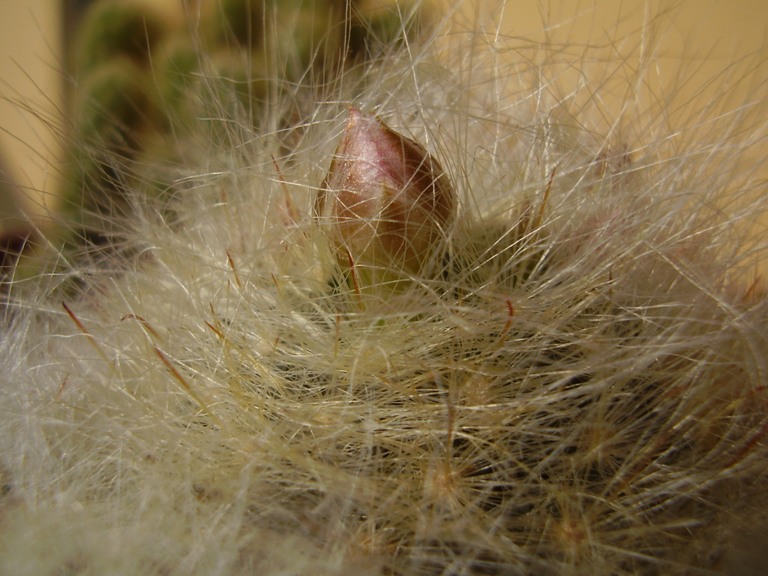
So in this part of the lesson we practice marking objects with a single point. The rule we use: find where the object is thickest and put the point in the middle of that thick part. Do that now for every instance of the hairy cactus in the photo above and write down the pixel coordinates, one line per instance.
(433, 315)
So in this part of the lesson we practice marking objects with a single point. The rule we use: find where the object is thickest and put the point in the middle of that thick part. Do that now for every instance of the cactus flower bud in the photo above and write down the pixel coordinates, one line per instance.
(387, 202)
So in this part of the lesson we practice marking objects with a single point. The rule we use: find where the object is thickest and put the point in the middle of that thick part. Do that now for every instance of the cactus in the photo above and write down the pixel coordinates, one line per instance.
(568, 378)
(143, 76)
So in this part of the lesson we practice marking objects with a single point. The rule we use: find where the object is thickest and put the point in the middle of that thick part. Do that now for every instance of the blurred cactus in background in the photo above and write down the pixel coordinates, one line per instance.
(143, 75)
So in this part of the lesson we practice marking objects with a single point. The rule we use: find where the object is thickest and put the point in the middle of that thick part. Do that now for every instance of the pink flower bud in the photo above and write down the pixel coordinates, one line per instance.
(387, 201)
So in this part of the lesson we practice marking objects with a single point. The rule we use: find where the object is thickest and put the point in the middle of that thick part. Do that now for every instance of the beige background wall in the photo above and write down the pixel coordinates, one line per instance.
(30, 39)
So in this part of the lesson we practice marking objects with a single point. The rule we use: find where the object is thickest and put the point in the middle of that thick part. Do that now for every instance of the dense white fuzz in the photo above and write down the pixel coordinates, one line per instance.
(578, 386)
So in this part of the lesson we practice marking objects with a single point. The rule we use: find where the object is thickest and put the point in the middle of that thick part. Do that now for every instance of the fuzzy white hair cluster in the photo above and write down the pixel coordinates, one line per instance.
(578, 386)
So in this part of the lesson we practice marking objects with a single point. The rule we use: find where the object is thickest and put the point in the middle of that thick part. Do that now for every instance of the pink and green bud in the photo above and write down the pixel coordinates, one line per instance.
(387, 202)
